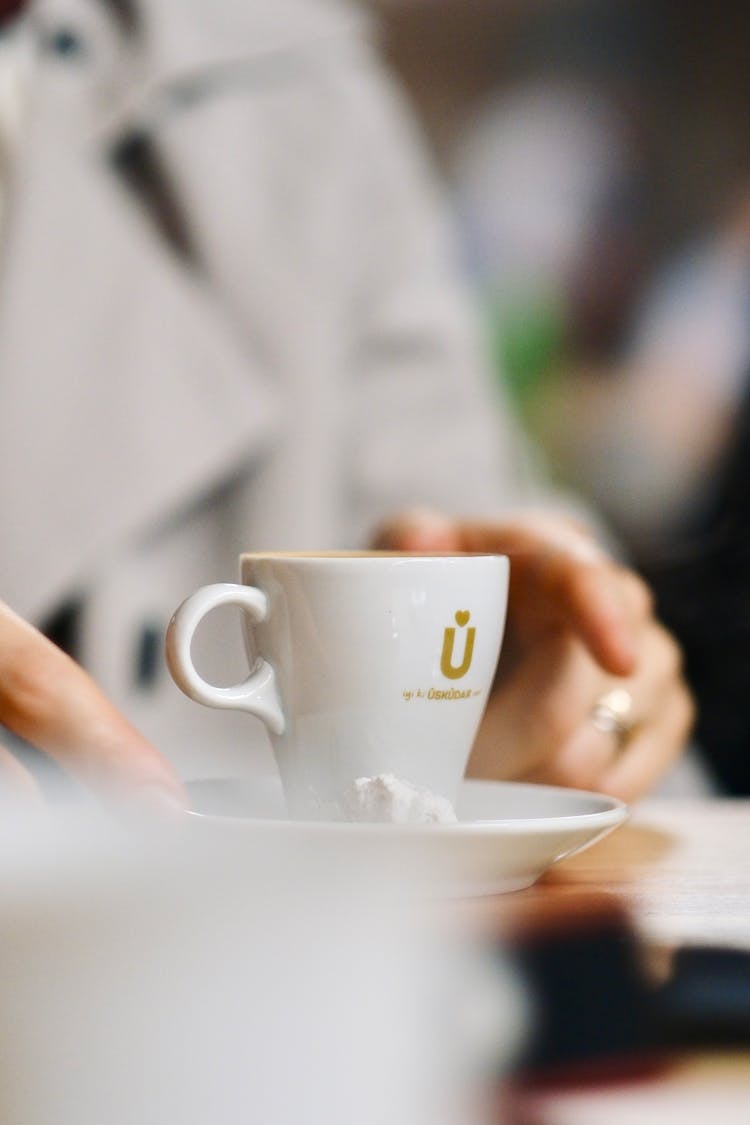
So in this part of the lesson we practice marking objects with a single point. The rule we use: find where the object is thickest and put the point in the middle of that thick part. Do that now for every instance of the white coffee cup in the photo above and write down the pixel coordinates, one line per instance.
(362, 664)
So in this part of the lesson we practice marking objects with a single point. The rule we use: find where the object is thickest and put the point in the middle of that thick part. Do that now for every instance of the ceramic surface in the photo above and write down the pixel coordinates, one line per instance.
(507, 836)
(361, 665)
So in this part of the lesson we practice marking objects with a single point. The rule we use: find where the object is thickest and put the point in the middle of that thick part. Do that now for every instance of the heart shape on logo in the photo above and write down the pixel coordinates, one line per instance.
(462, 617)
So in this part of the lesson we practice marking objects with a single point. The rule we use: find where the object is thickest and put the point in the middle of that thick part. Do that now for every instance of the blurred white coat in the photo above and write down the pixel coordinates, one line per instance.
(229, 319)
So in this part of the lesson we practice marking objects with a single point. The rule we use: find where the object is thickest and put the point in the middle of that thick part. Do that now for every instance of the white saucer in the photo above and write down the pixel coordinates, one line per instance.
(508, 833)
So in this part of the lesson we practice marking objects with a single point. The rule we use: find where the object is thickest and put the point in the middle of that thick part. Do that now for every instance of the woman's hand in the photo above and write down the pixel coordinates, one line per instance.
(49, 701)
(579, 625)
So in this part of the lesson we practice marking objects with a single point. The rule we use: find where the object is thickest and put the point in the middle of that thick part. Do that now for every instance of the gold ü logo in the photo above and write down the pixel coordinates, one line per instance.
(447, 667)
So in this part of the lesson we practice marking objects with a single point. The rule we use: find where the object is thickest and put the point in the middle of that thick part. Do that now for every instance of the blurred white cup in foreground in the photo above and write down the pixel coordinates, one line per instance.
(164, 981)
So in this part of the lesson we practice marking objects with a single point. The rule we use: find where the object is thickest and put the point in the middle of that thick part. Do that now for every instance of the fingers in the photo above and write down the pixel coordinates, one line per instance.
(661, 733)
(588, 599)
(49, 701)
(576, 619)
(652, 750)
(579, 763)
(535, 712)
(559, 578)
(552, 532)
(596, 759)
(538, 726)
(419, 530)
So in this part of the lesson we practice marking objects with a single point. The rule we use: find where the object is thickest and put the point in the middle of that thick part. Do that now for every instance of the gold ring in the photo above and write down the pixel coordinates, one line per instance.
(613, 714)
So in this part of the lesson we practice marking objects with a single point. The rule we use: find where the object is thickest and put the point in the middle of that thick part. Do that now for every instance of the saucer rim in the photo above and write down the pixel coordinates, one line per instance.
(613, 814)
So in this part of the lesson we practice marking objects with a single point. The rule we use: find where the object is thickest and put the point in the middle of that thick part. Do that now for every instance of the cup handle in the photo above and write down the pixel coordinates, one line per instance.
(258, 694)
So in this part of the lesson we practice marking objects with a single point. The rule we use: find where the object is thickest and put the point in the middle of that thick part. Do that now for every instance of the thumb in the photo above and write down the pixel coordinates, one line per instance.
(419, 530)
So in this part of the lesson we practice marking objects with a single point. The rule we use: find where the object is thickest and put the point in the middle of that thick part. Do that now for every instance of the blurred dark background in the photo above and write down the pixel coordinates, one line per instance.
(598, 153)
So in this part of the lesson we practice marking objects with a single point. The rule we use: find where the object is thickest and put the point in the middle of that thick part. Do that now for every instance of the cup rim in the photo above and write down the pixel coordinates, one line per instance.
(376, 555)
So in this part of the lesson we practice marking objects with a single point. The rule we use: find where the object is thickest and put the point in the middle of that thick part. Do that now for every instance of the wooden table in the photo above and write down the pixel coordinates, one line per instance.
(681, 868)
(682, 872)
